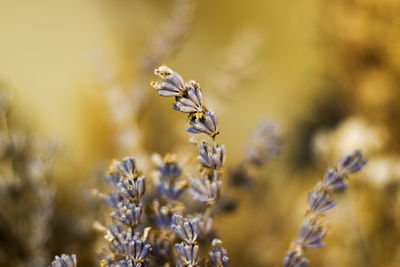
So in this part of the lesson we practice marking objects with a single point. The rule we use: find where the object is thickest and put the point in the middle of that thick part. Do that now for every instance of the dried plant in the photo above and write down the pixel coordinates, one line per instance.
(25, 196)
(64, 261)
(312, 230)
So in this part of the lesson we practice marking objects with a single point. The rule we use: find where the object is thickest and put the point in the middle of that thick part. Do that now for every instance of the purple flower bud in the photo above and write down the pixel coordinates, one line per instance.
(206, 124)
(185, 228)
(65, 261)
(293, 259)
(319, 202)
(351, 163)
(188, 254)
(310, 233)
(218, 255)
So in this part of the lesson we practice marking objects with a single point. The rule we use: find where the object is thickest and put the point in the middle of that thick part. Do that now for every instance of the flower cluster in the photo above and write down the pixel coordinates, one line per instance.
(189, 100)
(64, 261)
(312, 231)
(128, 247)
(218, 255)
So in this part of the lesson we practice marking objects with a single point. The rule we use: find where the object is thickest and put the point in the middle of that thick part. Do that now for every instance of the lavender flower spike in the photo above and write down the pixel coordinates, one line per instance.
(65, 261)
(206, 189)
(311, 231)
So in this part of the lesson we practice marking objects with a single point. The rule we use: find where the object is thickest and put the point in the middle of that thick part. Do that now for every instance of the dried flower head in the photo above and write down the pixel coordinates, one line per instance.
(188, 254)
(185, 228)
(205, 190)
(128, 213)
(211, 156)
(127, 167)
(218, 255)
(311, 233)
(172, 83)
(65, 261)
(333, 181)
(319, 202)
(293, 259)
(351, 163)
(206, 124)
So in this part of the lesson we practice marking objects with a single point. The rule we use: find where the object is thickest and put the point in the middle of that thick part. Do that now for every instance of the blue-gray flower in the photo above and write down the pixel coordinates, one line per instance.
(211, 156)
(128, 213)
(351, 163)
(65, 261)
(191, 101)
(204, 190)
(206, 124)
(310, 233)
(188, 254)
(319, 202)
(218, 255)
(185, 228)
(172, 83)
(293, 259)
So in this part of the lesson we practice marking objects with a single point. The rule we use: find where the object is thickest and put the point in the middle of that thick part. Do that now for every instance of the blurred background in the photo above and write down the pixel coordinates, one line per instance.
(78, 73)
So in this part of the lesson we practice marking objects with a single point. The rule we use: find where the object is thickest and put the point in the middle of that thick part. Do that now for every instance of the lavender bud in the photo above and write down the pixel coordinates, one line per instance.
(319, 202)
(185, 228)
(170, 170)
(133, 188)
(211, 156)
(204, 190)
(293, 259)
(351, 163)
(206, 124)
(137, 250)
(127, 167)
(191, 101)
(333, 181)
(172, 83)
(310, 233)
(188, 254)
(128, 213)
(65, 261)
(218, 255)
